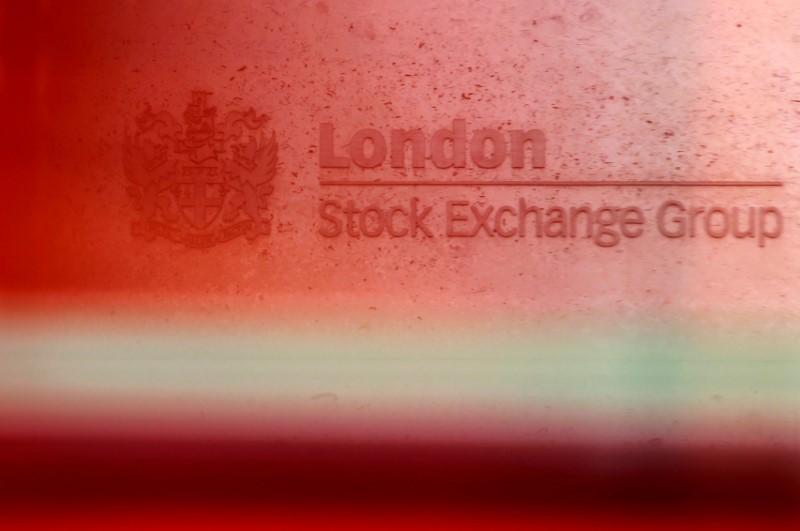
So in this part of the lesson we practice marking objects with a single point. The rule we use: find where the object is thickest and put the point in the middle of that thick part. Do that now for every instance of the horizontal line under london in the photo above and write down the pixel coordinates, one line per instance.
(555, 183)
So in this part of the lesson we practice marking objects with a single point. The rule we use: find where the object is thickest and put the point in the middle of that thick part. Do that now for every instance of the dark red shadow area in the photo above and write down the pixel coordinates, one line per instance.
(393, 486)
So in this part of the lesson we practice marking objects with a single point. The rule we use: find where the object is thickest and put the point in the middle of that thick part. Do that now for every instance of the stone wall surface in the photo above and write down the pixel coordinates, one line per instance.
(623, 90)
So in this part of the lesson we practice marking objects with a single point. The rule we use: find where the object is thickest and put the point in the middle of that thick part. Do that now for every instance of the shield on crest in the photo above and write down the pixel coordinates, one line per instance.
(202, 183)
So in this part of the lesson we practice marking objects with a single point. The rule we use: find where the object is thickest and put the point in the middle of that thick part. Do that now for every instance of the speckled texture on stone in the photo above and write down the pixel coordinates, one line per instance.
(623, 90)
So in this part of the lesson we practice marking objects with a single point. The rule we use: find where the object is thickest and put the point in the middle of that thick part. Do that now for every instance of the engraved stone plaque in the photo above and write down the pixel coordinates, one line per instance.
(509, 224)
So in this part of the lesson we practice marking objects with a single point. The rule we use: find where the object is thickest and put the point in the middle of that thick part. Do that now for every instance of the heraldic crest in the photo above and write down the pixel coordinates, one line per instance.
(204, 183)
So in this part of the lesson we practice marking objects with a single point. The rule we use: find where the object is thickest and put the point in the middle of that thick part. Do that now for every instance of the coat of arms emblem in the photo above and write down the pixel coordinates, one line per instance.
(203, 183)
